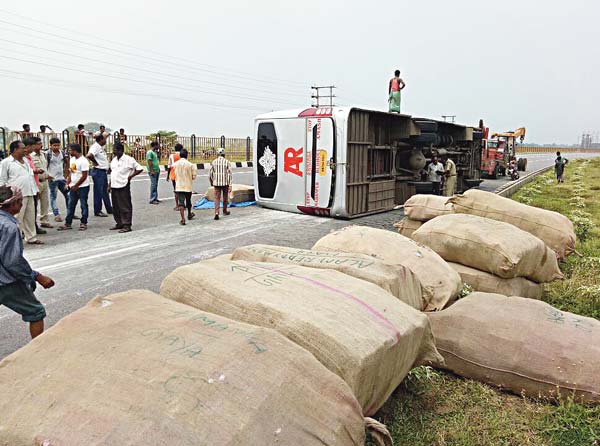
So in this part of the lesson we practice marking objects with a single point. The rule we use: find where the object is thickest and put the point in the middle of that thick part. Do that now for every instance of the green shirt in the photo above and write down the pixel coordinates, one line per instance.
(152, 158)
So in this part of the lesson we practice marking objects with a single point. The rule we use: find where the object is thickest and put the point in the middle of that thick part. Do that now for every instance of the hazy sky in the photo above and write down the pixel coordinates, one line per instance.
(513, 63)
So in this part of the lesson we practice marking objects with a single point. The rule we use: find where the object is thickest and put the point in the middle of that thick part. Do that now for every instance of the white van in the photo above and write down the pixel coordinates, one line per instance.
(346, 162)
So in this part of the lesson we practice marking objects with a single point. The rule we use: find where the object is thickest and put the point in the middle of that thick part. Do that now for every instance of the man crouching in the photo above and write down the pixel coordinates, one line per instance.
(17, 279)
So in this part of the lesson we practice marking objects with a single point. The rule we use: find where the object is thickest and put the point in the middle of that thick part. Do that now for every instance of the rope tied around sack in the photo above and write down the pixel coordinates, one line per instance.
(379, 432)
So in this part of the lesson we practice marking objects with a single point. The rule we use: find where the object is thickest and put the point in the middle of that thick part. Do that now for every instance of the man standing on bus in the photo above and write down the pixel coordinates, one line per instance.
(396, 85)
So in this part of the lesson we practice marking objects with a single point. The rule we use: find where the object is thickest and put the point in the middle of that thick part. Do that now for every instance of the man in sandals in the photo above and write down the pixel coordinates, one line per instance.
(185, 174)
(220, 179)
(17, 279)
(79, 187)
(122, 169)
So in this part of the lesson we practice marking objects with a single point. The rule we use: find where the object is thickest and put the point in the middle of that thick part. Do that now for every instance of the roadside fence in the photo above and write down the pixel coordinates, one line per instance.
(200, 148)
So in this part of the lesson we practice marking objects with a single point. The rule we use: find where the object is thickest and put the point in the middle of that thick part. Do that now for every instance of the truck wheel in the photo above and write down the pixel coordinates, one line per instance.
(426, 126)
(424, 139)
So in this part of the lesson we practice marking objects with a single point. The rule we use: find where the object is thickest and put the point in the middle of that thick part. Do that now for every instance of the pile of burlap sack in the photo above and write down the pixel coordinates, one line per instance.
(495, 244)
(506, 251)
(273, 344)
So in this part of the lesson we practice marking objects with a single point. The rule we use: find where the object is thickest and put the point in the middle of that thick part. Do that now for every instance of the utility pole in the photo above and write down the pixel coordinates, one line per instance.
(318, 96)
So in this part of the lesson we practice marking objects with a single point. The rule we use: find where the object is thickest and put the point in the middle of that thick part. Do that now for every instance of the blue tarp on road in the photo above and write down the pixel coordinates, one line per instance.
(203, 203)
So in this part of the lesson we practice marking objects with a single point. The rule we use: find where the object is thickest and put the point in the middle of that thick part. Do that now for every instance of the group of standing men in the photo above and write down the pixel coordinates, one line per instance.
(41, 175)
(439, 174)
(182, 174)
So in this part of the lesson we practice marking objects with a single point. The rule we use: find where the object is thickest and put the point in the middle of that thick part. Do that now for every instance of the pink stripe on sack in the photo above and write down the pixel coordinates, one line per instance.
(372, 311)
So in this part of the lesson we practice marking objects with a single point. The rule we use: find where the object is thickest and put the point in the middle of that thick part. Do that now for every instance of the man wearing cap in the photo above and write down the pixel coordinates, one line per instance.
(220, 179)
(17, 279)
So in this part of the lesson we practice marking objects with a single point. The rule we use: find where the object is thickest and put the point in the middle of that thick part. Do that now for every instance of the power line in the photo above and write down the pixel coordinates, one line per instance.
(160, 84)
(60, 82)
(136, 55)
(158, 72)
(286, 81)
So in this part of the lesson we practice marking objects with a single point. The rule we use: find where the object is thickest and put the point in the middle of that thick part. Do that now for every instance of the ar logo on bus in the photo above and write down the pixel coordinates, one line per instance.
(292, 160)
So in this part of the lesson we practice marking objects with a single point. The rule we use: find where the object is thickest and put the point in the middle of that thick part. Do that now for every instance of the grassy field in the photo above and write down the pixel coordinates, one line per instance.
(438, 408)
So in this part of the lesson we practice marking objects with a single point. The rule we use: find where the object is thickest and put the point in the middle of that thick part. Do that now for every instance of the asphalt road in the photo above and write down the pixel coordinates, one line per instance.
(100, 262)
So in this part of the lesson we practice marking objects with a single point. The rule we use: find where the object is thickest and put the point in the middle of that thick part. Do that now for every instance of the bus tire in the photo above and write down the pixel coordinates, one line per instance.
(427, 126)
(424, 139)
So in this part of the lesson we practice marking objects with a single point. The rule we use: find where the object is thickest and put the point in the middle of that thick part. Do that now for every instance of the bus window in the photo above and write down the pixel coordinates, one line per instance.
(266, 160)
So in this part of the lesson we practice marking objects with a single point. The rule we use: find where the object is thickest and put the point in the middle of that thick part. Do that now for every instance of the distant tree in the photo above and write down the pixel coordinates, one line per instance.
(168, 139)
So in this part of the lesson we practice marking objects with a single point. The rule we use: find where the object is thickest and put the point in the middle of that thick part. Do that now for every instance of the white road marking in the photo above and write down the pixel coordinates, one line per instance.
(87, 259)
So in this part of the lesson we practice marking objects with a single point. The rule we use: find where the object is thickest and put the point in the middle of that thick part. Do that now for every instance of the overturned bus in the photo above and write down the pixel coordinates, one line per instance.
(348, 162)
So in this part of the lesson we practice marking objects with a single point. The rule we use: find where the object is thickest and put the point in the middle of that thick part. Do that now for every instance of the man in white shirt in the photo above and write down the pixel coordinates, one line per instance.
(435, 171)
(101, 132)
(122, 169)
(97, 155)
(16, 171)
(79, 187)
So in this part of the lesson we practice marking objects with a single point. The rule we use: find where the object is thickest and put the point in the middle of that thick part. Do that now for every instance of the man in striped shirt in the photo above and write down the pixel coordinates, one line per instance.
(220, 179)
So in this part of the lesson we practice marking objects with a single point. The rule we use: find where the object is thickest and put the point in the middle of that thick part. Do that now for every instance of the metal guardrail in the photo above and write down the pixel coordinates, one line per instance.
(521, 149)
(509, 189)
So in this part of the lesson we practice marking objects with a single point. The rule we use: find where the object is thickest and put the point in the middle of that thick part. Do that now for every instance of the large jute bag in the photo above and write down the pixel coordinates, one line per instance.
(426, 207)
(440, 283)
(407, 226)
(135, 369)
(356, 329)
(553, 228)
(488, 283)
(490, 245)
(238, 193)
(397, 280)
(522, 345)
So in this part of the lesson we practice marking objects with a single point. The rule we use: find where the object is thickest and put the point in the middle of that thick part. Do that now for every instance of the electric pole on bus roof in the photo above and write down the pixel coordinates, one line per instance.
(319, 97)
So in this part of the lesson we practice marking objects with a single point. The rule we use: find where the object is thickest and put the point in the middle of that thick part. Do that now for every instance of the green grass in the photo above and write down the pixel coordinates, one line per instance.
(433, 408)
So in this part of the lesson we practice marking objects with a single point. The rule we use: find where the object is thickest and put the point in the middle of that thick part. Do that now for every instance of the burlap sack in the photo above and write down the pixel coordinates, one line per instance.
(554, 229)
(397, 280)
(135, 369)
(406, 226)
(489, 245)
(440, 283)
(357, 330)
(522, 345)
(238, 193)
(488, 283)
(426, 207)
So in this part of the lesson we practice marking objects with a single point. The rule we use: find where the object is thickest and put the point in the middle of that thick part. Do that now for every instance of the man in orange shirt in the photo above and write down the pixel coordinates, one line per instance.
(173, 158)
(396, 85)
